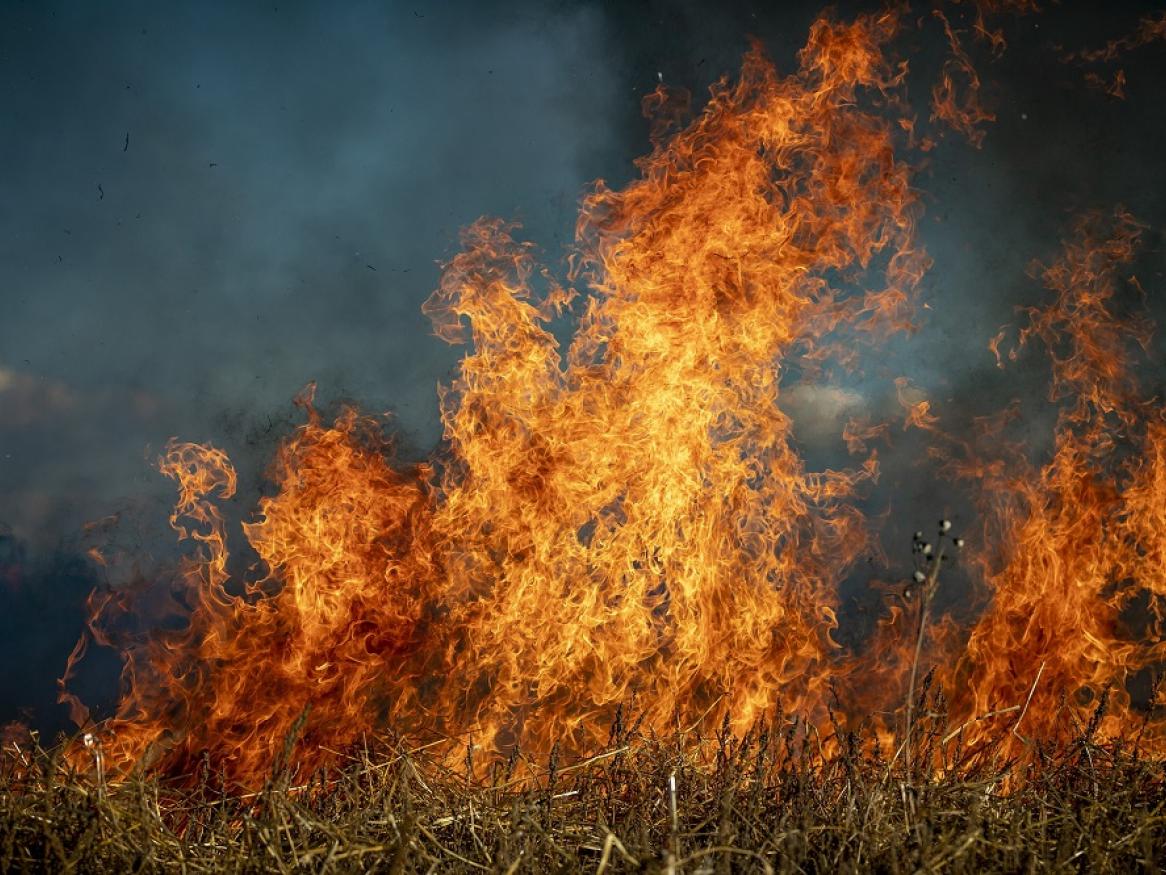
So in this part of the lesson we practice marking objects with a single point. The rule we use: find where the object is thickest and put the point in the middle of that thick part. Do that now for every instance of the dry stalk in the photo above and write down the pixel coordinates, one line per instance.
(925, 597)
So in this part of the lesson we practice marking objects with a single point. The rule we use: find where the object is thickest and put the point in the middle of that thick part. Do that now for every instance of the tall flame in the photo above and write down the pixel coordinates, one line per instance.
(629, 517)
(1077, 592)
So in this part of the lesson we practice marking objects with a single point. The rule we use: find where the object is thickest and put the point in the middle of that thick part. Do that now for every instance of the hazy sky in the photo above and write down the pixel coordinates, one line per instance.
(293, 172)
(205, 205)
(291, 177)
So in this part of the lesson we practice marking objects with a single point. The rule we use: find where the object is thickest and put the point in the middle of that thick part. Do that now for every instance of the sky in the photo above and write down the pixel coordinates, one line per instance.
(206, 205)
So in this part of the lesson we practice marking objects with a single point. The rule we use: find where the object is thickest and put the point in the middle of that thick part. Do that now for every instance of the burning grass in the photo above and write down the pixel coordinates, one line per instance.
(781, 798)
(632, 511)
(630, 515)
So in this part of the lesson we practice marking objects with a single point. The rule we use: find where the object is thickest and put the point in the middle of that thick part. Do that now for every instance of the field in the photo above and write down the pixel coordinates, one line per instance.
(777, 800)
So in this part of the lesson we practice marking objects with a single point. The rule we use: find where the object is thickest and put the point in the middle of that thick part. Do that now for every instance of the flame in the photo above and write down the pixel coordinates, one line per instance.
(960, 107)
(916, 406)
(1150, 29)
(628, 518)
(1077, 594)
(624, 517)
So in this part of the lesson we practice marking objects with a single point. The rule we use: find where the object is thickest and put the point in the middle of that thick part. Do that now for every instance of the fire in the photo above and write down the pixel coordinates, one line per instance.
(1077, 592)
(966, 114)
(629, 517)
(1072, 553)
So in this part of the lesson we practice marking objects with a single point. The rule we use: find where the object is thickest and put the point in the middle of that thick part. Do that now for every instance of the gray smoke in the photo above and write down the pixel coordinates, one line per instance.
(206, 205)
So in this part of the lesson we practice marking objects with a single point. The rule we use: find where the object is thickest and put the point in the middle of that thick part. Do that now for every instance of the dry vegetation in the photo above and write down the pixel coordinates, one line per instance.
(777, 800)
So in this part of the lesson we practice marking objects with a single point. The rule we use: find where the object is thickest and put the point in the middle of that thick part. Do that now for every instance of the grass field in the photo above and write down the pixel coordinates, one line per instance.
(785, 798)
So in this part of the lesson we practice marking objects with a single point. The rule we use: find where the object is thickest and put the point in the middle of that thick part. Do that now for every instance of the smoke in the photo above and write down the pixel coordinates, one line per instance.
(209, 205)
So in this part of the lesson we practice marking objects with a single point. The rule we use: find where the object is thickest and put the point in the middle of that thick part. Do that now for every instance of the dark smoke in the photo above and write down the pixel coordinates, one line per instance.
(209, 204)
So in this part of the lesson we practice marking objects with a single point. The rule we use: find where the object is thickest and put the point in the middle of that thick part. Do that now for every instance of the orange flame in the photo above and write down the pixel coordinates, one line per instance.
(630, 520)
(1084, 536)
(630, 517)
(960, 107)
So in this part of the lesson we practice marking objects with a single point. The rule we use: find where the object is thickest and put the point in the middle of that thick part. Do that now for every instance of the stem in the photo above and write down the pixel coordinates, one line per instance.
(924, 605)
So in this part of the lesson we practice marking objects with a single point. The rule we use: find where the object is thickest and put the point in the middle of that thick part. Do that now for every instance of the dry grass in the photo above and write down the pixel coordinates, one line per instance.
(774, 801)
